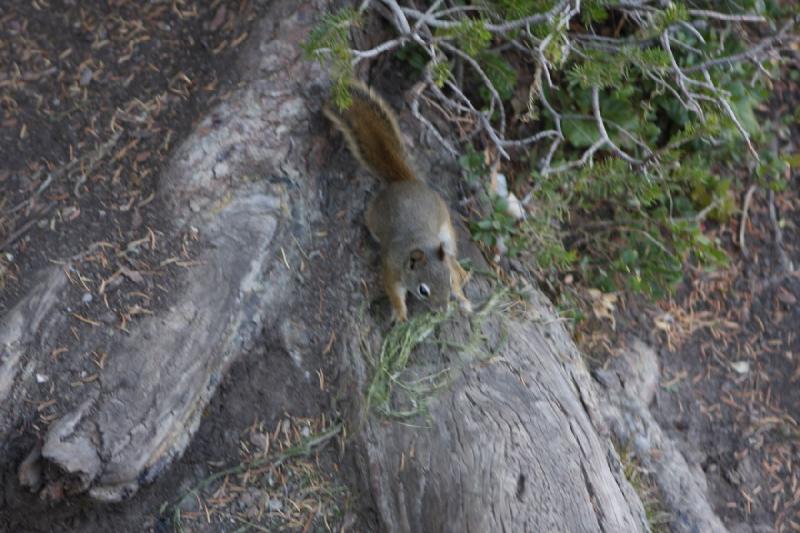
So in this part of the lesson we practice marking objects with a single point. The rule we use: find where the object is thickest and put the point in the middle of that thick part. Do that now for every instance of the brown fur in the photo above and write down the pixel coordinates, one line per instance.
(371, 131)
(408, 218)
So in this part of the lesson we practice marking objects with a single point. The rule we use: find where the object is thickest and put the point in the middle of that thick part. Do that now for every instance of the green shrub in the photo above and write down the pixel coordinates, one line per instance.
(628, 127)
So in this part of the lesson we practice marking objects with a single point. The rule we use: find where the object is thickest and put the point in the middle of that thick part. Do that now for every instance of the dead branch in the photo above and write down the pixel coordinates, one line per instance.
(692, 86)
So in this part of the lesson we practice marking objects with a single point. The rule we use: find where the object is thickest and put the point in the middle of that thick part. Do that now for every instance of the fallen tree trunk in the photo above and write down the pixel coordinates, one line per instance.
(628, 386)
(511, 443)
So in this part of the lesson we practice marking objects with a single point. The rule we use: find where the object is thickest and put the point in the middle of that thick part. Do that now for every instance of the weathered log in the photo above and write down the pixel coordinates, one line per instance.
(509, 446)
(513, 443)
(139, 415)
(628, 386)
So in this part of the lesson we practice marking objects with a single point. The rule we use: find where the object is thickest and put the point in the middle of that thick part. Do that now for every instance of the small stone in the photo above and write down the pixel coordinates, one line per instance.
(30, 471)
(87, 298)
(742, 367)
(133, 275)
(70, 213)
(514, 207)
(305, 431)
(786, 297)
(189, 505)
(221, 170)
(41, 378)
(108, 317)
(273, 506)
(250, 501)
(501, 186)
(259, 440)
(86, 76)
(642, 444)
(246, 499)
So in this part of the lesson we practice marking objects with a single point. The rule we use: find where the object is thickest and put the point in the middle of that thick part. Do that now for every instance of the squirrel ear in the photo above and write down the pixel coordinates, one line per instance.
(417, 258)
(441, 252)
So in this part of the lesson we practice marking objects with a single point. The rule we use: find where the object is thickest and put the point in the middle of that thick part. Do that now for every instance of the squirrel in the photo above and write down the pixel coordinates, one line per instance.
(409, 220)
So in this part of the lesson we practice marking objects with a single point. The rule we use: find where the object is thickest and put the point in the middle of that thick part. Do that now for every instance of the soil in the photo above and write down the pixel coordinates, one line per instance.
(730, 370)
(94, 97)
(730, 353)
(93, 100)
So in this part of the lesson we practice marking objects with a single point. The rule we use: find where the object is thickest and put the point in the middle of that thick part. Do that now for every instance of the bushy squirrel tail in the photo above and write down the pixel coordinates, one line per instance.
(370, 128)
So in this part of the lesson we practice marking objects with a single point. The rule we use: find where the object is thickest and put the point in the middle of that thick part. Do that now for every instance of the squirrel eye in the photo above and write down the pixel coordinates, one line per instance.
(423, 290)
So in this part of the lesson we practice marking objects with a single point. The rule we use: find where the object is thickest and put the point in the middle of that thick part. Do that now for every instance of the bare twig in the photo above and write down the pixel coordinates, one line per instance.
(22, 230)
(602, 129)
(417, 91)
(399, 17)
(760, 50)
(378, 50)
(436, 22)
(786, 264)
(748, 197)
(486, 81)
(705, 13)
(693, 92)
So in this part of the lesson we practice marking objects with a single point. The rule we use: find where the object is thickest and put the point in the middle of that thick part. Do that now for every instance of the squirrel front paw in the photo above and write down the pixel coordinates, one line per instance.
(399, 316)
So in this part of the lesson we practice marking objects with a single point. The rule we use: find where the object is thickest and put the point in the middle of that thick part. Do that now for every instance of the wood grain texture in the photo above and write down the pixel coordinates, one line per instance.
(510, 446)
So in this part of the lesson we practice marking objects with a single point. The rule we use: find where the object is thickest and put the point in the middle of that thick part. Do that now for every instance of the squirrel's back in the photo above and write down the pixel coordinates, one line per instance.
(371, 131)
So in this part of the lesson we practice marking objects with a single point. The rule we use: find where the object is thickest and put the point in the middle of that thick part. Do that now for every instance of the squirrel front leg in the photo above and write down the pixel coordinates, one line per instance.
(458, 278)
(396, 293)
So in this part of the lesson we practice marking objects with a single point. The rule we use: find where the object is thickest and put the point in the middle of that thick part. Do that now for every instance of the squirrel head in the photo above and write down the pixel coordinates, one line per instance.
(427, 276)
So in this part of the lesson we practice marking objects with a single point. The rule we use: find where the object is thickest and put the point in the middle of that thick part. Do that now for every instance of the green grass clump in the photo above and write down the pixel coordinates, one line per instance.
(399, 387)
(657, 518)
(390, 365)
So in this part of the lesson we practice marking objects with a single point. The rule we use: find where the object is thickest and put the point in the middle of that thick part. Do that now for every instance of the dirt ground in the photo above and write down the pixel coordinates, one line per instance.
(729, 349)
(93, 98)
(730, 355)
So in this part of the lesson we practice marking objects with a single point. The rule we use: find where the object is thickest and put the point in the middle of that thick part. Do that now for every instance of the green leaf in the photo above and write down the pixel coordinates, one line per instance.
(517, 9)
(470, 35)
(441, 73)
(329, 43)
(743, 108)
(580, 133)
(500, 73)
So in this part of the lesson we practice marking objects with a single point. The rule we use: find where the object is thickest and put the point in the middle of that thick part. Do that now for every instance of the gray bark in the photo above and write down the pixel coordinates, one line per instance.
(510, 446)
(628, 388)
